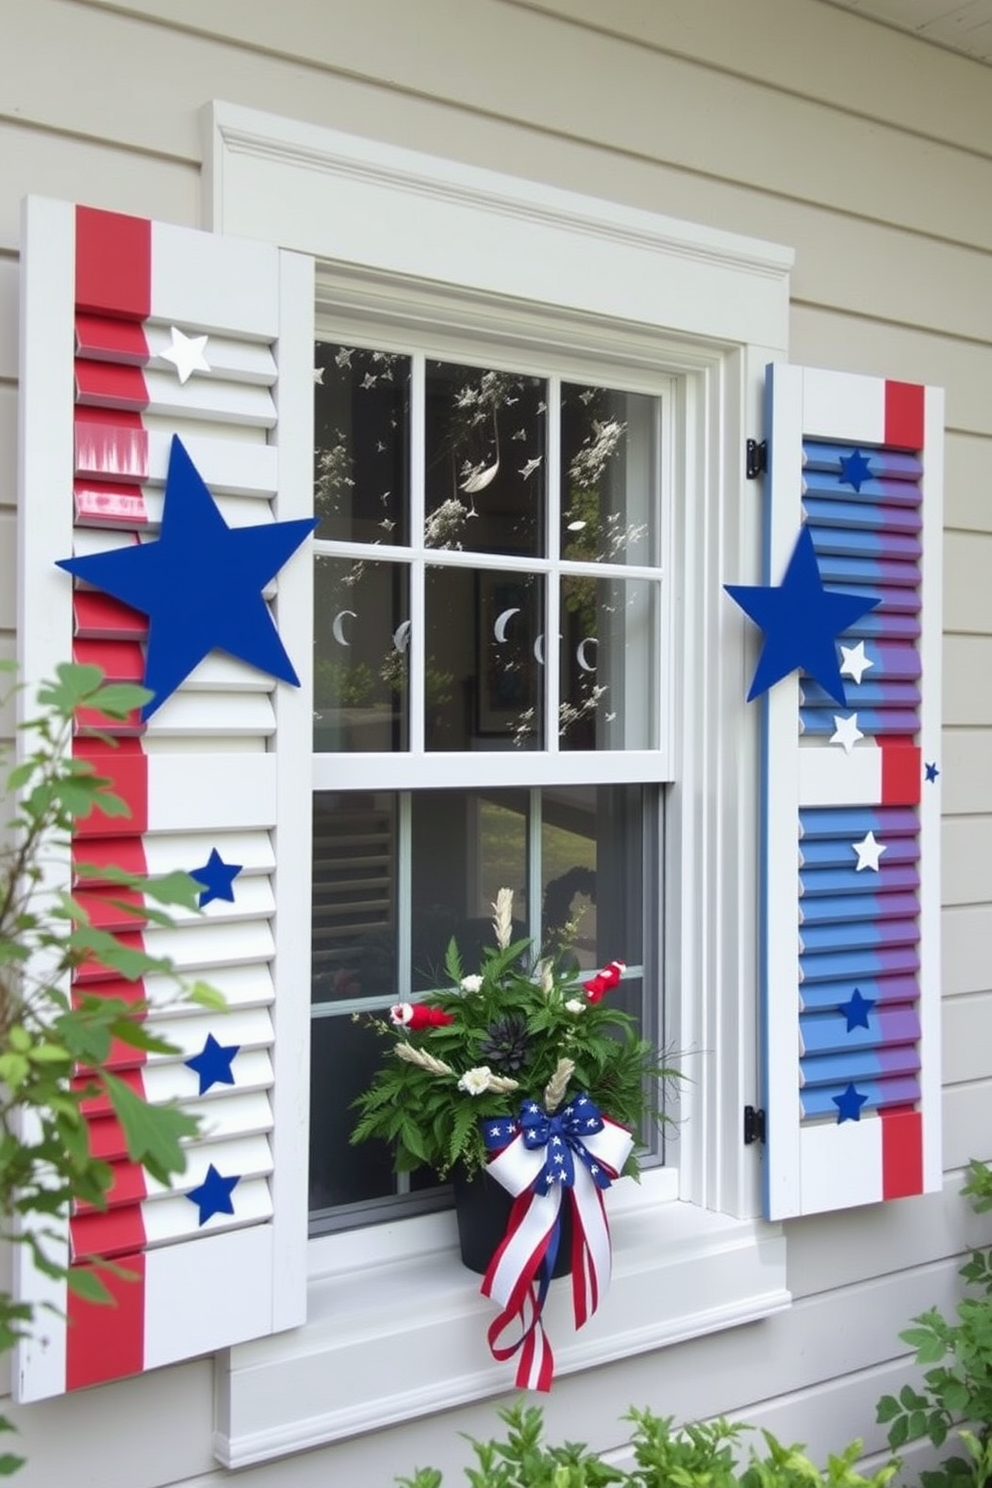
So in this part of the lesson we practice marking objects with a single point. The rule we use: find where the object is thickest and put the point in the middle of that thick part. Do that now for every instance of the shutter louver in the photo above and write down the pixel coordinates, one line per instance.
(851, 890)
(135, 333)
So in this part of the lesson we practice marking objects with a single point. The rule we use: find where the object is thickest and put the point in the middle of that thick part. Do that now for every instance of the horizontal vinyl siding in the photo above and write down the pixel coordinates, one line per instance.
(875, 166)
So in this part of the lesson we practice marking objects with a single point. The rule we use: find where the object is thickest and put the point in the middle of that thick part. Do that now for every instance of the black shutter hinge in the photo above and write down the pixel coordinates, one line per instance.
(754, 1126)
(756, 458)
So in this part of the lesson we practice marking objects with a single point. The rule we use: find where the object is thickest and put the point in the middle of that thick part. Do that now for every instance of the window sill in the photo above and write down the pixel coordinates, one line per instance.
(399, 1327)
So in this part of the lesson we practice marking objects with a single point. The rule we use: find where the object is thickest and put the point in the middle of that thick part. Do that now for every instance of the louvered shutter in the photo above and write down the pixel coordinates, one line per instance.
(851, 892)
(220, 768)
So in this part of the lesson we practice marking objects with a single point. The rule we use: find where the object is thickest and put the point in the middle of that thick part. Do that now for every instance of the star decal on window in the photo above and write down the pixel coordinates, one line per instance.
(200, 584)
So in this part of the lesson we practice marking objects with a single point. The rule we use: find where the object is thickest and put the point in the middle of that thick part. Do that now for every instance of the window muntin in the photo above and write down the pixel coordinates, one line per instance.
(525, 506)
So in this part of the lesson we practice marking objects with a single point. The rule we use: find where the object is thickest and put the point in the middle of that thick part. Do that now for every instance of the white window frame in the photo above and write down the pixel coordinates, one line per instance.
(394, 1322)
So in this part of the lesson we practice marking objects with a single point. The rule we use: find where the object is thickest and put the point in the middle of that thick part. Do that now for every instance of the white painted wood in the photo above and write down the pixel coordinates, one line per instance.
(168, 851)
(8, 445)
(248, 1027)
(966, 782)
(8, 570)
(966, 859)
(200, 1273)
(830, 776)
(840, 1165)
(966, 1037)
(247, 1156)
(234, 792)
(833, 401)
(215, 284)
(204, 396)
(966, 962)
(239, 466)
(171, 1080)
(174, 1219)
(241, 987)
(199, 948)
(237, 361)
(9, 310)
(197, 715)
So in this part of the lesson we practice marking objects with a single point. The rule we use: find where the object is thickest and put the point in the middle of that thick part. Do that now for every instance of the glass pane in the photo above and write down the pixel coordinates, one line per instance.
(344, 1055)
(361, 468)
(592, 877)
(484, 647)
(354, 896)
(609, 663)
(466, 846)
(609, 481)
(361, 639)
(485, 460)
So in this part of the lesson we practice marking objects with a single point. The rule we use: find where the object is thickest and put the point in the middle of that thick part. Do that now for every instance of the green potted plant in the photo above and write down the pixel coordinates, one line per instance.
(524, 1073)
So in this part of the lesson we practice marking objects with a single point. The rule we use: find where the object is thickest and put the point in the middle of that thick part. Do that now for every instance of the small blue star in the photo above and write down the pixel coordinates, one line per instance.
(856, 1010)
(849, 1105)
(854, 470)
(200, 583)
(213, 1195)
(217, 877)
(801, 621)
(932, 771)
(213, 1063)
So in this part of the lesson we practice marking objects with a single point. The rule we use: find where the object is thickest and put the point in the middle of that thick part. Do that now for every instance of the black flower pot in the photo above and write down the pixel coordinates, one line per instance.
(482, 1208)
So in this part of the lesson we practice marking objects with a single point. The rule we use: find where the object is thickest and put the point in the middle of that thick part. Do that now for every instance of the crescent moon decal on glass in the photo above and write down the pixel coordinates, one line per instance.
(539, 649)
(337, 626)
(501, 622)
(580, 654)
(401, 636)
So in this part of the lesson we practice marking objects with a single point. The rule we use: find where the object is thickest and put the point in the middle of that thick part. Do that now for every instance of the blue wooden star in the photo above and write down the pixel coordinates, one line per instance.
(849, 1104)
(855, 470)
(217, 878)
(856, 1010)
(801, 621)
(213, 1063)
(200, 584)
(213, 1195)
(932, 771)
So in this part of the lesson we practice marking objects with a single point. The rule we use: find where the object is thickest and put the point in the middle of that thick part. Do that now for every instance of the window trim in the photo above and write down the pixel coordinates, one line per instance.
(711, 308)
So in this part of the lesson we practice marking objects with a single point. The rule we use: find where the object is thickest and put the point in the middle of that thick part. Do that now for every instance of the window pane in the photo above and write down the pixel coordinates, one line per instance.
(361, 472)
(484, 683)
(609, 663)
(361, 638)
(354, 896)
(609, 480)
(485, 476)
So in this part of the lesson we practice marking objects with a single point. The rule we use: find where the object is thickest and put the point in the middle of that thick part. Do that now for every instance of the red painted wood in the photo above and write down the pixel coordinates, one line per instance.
(901, 772)
(126, 770)
(104, 907)
(112, 1233)
(108, 504)
(108, 340)
(120, 661)
(110, 385)
(107, 1139)
(114, 986)
(904, 405)
(98, 617)
(111, 444)
(105, 1343)
(113, 264)
(127, 1187)
(92, 970)
(98, 1104)
(902, 1153)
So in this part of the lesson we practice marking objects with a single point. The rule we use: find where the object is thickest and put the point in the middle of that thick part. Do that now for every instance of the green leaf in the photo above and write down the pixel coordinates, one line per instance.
(85, 1283)
(118, 699)
(152, 1133)
(207, 997)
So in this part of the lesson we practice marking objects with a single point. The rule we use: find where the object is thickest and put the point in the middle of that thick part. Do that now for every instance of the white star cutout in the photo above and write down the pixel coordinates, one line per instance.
(186, 354)
(869, 851)
(846, 732)
(854, 662)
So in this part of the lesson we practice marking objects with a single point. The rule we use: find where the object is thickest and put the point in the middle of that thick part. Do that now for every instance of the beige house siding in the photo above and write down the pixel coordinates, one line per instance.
(870, 154)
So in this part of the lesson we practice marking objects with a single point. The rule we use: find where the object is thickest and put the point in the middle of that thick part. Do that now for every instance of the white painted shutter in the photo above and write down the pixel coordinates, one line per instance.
(851, 953)
(221, 766)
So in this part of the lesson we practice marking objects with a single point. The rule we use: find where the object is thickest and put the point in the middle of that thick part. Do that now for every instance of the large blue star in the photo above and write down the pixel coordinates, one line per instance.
(217, 878)
(200, 584)
(213, 1195)
(801, 621)
(213, 1063)
(849, 1104)
(856, 1010)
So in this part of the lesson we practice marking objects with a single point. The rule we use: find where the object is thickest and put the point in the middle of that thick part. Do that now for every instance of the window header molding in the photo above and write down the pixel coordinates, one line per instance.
(485, 230)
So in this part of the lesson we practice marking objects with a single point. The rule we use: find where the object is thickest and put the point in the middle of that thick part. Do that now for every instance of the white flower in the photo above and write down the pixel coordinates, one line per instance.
(470, 983)
(401, 1013)
(575, 1005)
(503, 918)
(476, 1081)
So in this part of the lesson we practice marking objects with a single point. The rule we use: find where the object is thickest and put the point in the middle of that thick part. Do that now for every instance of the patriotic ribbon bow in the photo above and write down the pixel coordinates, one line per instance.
(537, 1160)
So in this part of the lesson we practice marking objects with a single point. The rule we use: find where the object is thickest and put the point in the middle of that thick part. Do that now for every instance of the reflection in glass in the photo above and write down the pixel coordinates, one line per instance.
(483, 684)
(609, 456)
(361, 470)
(353, 937)
(361, 655)
(609, 663)
(485, 460)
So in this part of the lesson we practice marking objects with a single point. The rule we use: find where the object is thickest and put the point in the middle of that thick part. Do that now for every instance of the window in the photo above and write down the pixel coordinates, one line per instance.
(467, 513)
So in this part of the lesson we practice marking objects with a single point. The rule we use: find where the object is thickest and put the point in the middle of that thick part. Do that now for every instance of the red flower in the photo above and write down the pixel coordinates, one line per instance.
(414, 1015)
(604, 980)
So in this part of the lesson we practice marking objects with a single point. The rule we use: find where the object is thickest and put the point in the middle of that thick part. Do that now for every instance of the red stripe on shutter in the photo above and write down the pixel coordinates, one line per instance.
(110, 340)
(105, 1343)
(904, 403)
(116, 852)
(120, 661)
(902, 1153)
(112, 444)
(108, 504)
(93, 970)
(128, 1188)
(901, 771)
(127, 770)
(113, 264)
(113, 1233)
(98, 617)
(111, 385)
